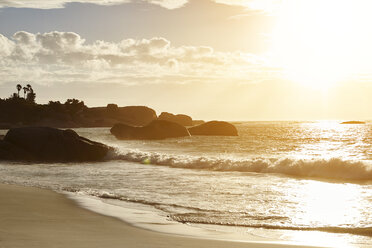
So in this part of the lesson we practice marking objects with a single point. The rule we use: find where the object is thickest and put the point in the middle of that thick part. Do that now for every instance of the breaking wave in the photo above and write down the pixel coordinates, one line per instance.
(334, 168)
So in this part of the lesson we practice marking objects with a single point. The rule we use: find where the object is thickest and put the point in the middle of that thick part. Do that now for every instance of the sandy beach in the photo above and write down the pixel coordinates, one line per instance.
(32, 217)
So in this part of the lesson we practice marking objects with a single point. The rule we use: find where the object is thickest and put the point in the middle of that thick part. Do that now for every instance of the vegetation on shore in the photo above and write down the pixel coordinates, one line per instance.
(18, 110)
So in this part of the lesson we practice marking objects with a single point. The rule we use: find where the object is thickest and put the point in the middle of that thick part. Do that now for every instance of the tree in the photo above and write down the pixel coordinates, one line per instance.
(74, 106)
(30, 95)
(29, 87)
(25, 89)
(55, 106)
(19, 87)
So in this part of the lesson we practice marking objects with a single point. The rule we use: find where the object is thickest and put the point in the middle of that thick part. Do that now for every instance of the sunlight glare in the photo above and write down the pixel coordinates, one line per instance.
(319, 43)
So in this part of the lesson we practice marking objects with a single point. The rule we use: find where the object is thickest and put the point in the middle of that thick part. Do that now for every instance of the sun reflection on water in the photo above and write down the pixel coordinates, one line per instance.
(327, 207)
(330, 139)
(326, 204)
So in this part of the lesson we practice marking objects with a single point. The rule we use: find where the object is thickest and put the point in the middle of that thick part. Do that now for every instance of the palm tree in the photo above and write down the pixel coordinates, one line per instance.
(25, 89)
(30, 95)
(30, 88)
(19, 87)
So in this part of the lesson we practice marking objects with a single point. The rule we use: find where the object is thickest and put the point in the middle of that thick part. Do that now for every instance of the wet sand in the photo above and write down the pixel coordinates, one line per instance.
(31, 217)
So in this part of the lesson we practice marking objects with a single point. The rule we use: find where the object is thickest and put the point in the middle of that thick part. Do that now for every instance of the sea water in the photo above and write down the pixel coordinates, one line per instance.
(297, 181)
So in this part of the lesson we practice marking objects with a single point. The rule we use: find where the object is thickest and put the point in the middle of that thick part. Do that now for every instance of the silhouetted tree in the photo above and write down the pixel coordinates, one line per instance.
(19, 87)
(30, 95)
(29, 87)
(55, 106)
(25, 89)
(74, 106)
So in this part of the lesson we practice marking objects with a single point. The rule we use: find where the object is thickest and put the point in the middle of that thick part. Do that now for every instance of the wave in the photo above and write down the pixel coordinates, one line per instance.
(364, 231)
(158, 205)
(334, 168)
(205, 217)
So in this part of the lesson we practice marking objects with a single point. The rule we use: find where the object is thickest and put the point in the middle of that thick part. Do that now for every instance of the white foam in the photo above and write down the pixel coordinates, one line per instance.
(334, 168)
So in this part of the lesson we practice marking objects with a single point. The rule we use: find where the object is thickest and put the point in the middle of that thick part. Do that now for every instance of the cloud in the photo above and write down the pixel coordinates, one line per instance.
(66, 57)
(260, 5)
(169, 4)
(257, 5)
(53, 4)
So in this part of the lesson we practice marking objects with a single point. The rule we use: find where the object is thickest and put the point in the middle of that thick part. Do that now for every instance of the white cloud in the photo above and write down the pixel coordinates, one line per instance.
(6, 46)
(66, 57)
(169, 4)
(53, 4)
(261, 5)
(257, 5)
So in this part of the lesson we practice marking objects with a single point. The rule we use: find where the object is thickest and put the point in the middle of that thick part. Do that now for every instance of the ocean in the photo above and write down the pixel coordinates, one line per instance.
(295, 181)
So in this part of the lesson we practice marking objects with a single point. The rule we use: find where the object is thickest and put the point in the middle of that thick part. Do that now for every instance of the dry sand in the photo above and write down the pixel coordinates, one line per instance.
(31, 217)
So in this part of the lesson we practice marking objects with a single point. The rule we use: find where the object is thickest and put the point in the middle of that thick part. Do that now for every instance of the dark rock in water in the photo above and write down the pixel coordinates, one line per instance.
(214, 128)
(157, 129)
(353, 122)
(183, 120)
(9, 151)
(49, 144)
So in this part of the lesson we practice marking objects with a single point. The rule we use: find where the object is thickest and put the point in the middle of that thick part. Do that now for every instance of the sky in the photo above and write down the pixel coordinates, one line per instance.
(210, 59)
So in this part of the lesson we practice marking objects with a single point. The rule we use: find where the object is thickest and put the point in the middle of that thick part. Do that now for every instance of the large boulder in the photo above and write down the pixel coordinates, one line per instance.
(214, 128)
(49, 144)
(9, 151)
(157, 129)
(197, 122)
(132, 115)
(183, 120)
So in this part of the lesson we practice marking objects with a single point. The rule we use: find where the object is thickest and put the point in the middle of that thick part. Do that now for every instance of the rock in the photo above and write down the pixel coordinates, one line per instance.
(9, 151)
(157, 129)
(214, 128)
(183, 120)
(353, 122)
(50, 144)
(197, 122)
(132, 115)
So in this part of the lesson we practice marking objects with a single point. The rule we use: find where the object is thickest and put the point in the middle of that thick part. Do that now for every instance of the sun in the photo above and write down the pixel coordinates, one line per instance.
(319, 43)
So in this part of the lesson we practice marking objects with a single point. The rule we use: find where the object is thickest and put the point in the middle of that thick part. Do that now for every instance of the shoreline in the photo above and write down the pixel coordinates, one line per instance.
(149, 218)
(33, 217)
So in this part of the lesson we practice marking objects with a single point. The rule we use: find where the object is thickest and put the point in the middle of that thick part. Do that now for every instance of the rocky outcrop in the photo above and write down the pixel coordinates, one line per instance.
(353, 122)
(183, 120)
(131, 115)
(197, 122)
(157, 129)
(214, 128)
(49, 144)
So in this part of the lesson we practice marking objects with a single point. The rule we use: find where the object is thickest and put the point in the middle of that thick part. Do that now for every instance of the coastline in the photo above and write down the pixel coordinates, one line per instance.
(33, 217)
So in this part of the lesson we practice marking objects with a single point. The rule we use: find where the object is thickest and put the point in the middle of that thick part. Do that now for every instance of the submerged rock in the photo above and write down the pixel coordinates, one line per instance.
(49, 144)
(214, 128)
(157, 129)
